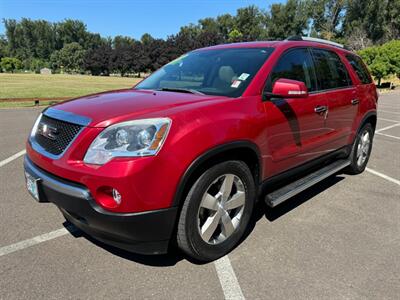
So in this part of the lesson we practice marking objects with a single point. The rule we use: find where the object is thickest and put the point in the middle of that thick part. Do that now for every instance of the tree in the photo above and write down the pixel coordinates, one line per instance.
(235, 36)
(71, 31)
(209, 34)
(383, 60)
(357, 23)
(226, 23)
(250, 22)
(97, 60)
(121, 60)
(327, 17)
(380, 20)
(10, 64)
(392, 50)
(37, 64)
(3, 46)
(358, 39)
(288, 19)
(70, 58)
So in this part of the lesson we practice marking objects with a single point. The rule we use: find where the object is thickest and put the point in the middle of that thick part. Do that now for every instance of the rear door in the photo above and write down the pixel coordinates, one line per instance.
(295, 130)
(335, 85)
(366, 90)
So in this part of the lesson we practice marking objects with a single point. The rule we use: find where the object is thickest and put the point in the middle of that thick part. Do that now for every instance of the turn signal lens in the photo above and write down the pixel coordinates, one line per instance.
(159, 137)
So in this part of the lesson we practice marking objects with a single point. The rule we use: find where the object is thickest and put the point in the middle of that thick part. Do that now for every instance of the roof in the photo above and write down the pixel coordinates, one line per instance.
(275, 44)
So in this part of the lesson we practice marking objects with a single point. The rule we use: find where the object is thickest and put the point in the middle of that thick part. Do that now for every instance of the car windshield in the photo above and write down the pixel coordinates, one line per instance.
(222, 72)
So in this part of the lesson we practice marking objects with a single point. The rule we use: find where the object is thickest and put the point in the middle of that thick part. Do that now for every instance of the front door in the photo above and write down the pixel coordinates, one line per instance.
(295, 127)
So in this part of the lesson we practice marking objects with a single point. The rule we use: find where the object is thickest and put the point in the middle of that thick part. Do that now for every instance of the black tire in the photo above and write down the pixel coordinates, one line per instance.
(356, 167)
(189, 238)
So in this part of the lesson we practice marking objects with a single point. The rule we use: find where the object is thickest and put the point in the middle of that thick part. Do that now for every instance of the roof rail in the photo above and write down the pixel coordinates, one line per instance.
(311, 39)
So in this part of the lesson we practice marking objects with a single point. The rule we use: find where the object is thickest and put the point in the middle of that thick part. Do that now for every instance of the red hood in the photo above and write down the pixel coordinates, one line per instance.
(107, 108)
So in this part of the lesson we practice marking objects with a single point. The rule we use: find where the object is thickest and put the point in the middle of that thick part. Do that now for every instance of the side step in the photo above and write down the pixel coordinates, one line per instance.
(288, 191)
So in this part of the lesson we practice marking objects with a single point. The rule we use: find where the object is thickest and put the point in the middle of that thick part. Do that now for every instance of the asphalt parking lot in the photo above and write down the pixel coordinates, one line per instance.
(339, 239)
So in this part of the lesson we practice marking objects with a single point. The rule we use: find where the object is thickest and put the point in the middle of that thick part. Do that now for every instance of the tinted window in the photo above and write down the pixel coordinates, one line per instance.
(331, 72)
(225, 72)
(359, 68)
(295, 65)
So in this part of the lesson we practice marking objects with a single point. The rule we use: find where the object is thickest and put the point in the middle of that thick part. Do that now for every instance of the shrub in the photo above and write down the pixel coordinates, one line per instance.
(10, 64)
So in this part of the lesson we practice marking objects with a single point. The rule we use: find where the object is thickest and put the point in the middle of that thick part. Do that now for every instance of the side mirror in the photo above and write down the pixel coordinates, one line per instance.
(287, 88)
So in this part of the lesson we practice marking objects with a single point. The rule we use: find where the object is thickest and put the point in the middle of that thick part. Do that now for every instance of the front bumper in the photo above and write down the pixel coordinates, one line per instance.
(145, 232)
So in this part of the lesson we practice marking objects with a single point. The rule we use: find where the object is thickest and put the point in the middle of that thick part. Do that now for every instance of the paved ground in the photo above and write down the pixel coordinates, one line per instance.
(339, 239)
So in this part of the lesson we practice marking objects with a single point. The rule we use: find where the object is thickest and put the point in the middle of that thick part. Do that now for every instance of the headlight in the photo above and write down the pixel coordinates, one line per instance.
(128, 139)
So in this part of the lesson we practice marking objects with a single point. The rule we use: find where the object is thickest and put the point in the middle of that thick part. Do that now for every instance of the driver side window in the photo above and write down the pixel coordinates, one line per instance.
(296, 65)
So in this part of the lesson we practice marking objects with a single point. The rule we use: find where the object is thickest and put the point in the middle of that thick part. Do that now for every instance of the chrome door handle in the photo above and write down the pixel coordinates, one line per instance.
(355, 101)
(320, 109)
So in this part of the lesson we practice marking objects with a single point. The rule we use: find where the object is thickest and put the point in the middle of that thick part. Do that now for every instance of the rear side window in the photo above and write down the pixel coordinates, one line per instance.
(330, 70)
(296, 65)
(360, 69)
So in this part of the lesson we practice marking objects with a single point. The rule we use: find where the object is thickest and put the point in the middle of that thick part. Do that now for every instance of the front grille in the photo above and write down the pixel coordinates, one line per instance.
(54, 136)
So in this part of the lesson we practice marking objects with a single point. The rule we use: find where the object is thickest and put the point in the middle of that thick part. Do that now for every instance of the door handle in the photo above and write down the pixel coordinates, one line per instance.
(355, 101)
(320, 109)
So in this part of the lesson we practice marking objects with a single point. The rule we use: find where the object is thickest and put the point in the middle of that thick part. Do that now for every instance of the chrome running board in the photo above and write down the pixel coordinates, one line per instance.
(288, 191)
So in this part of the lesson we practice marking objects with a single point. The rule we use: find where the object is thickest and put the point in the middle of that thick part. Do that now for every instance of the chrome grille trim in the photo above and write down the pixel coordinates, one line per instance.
(67, 116)
(61, 116)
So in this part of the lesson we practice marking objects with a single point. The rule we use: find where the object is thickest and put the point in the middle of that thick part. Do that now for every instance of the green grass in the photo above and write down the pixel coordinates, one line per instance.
(57, 85)
(10, 104)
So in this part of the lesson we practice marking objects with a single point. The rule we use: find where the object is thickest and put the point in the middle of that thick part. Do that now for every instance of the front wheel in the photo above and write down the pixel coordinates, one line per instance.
(216, 211)
(361, 150)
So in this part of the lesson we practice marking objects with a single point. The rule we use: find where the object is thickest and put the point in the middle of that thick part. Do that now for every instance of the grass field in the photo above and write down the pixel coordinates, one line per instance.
(15, 104)
(14, 86)
(49, 86)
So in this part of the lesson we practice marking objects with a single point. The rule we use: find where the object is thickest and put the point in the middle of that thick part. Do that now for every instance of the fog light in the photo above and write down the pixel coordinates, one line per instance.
(108, 197)
(117, 196)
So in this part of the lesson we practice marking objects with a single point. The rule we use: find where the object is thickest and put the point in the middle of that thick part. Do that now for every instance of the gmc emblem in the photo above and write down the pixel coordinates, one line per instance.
(48, 131)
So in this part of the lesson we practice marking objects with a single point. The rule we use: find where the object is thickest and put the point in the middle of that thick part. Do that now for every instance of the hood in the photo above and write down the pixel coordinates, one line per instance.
(112, 107)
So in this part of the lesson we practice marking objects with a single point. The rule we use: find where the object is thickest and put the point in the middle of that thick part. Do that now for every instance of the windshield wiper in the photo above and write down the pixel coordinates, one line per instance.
(181, 90)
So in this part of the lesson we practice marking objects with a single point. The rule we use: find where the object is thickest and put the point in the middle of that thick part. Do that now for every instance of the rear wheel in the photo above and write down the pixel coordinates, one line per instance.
(216, 211)
(361, 150)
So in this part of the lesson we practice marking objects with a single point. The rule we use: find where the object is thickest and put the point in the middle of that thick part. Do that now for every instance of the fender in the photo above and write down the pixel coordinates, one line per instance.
(366, 116)
(209, 154)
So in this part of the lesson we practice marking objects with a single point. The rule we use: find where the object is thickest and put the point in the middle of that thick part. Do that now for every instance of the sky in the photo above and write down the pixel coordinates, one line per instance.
(125, 17)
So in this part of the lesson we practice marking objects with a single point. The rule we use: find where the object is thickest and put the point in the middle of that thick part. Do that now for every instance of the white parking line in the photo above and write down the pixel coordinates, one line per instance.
(35, 240)
(389, 112)
(387, 127)
(388, 106)
(389, 120)
(388, 178)
(227, 278)
(388, 135)
(226, 275)
(11, 158)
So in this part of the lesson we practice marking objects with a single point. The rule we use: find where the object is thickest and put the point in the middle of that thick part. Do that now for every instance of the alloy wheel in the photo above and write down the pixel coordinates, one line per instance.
(221, 209)
(363, 148)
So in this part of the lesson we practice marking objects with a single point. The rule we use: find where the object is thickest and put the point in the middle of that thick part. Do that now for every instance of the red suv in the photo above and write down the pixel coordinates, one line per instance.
(184, 155)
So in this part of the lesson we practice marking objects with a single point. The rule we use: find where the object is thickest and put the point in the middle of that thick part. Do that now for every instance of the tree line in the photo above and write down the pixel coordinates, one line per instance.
(69, 47)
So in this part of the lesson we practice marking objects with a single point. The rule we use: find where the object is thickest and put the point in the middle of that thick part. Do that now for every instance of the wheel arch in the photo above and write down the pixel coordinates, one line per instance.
(370, 117)
(239, 150)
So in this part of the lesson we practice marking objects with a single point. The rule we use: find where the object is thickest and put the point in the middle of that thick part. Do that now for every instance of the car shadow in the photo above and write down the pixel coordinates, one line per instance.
(160, 260)
(174, 255)
(271, 214)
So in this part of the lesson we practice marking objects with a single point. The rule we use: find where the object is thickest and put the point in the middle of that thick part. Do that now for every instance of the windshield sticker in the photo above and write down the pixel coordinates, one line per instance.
(236, 84)
(244, 76)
